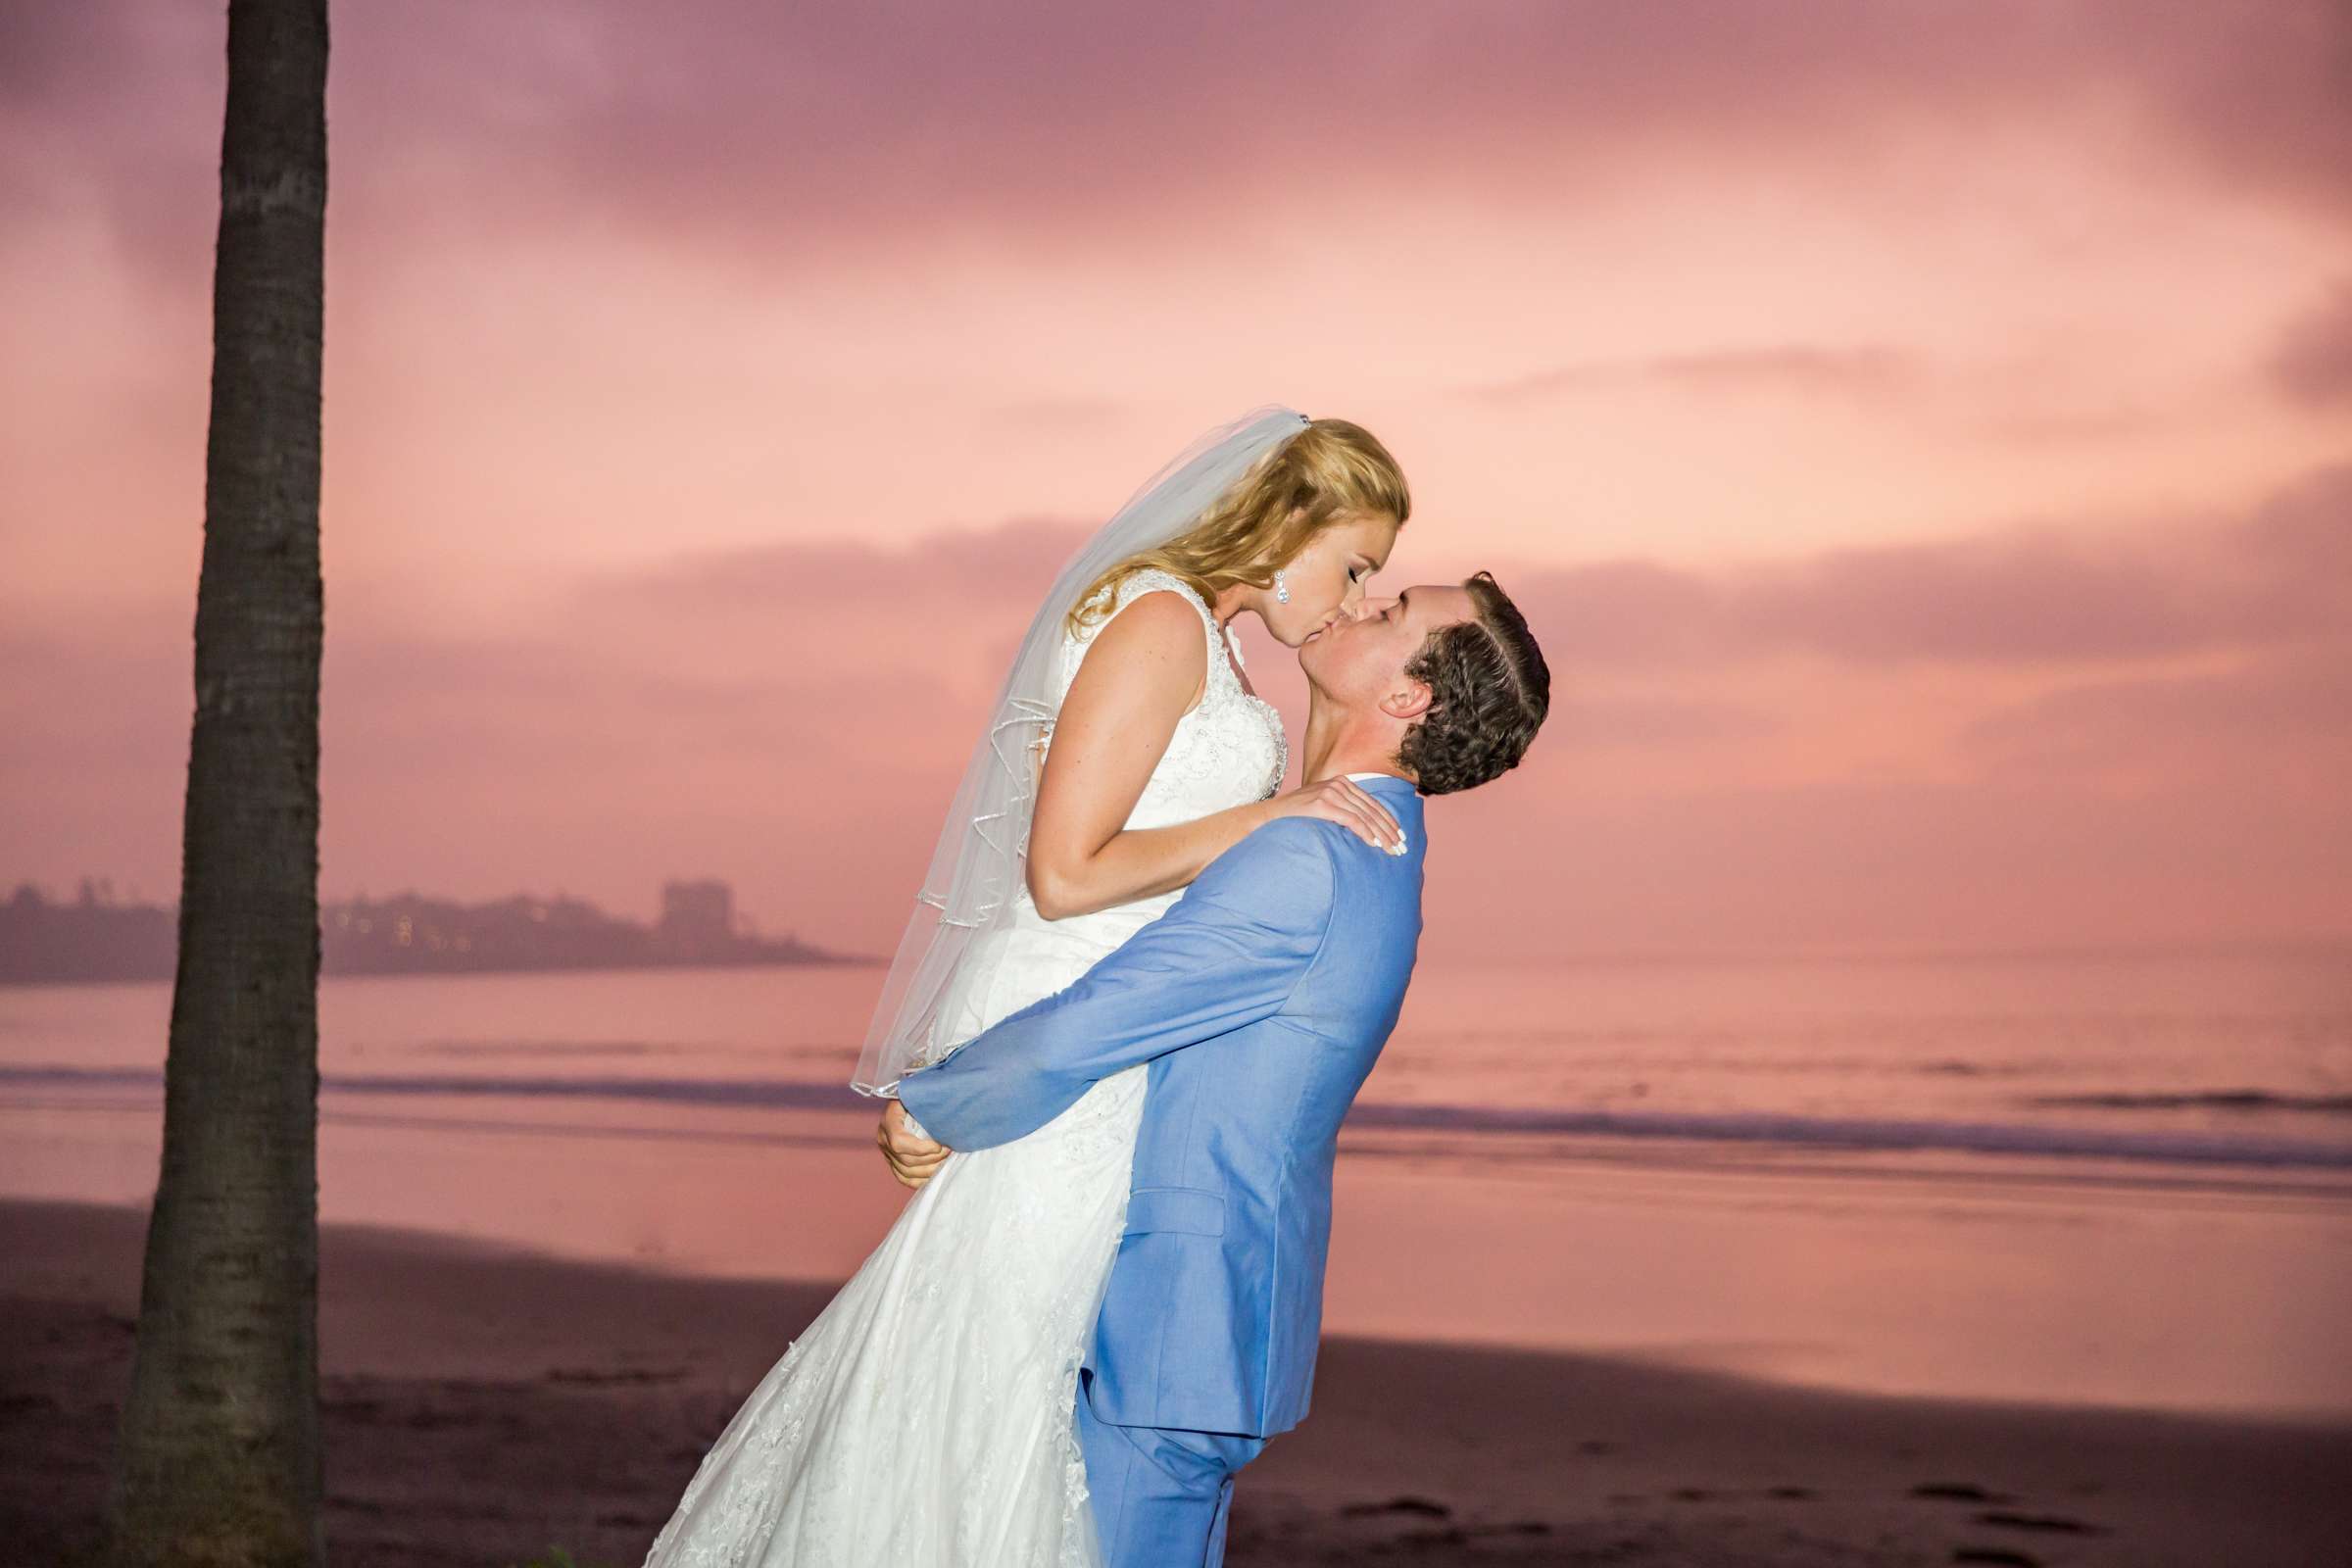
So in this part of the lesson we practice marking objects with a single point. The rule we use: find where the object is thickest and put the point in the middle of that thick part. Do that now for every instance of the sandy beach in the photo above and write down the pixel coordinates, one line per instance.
(484, 1402)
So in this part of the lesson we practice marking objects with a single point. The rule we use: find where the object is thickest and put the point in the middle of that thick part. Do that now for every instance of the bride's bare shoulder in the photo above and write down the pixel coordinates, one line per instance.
(1156, 633)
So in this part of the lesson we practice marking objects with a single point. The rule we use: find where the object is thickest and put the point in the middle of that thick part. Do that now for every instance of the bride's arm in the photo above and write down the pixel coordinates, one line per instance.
(1139, 676)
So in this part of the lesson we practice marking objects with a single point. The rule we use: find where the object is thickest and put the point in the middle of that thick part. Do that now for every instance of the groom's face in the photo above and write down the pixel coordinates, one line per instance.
(1360, 662)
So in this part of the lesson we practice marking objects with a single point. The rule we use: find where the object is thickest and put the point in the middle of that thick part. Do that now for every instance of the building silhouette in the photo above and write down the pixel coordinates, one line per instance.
(94, 938)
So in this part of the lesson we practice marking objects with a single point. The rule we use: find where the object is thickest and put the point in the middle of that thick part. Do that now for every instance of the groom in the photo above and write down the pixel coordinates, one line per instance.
(1260, 999)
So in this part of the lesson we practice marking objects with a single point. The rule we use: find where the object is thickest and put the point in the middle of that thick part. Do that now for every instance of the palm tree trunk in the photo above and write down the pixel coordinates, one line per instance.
(220, 1460)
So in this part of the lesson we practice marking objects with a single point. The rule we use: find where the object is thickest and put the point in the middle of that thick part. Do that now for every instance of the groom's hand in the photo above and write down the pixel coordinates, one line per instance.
(913, 1160)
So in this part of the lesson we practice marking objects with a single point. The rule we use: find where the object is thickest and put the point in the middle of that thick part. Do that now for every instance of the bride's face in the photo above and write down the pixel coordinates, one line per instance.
(1327, 578)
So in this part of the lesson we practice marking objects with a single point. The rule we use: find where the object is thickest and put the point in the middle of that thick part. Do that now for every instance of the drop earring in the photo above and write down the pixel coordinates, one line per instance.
(1282, 590)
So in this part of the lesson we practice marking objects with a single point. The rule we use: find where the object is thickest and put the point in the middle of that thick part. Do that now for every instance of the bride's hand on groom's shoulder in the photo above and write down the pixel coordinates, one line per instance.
(1346, 803)
(914, 1159)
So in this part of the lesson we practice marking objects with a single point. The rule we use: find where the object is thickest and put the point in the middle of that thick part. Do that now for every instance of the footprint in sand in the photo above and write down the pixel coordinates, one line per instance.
(1956, 1491)
(1445, 1536)
(2055, 1523)
(1412, 1507)
(613, 1376)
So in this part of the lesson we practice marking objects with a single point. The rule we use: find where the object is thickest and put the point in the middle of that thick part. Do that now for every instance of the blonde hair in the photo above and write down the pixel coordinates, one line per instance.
(1329, 471)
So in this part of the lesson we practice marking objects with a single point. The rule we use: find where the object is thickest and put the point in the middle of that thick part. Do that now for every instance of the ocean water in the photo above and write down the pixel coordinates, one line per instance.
(2209, 1059)
(2120, 1177)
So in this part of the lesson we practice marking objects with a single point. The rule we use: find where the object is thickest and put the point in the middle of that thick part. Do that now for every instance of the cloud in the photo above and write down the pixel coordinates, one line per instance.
(2022, 596)
(1875, 864)
(783, 134)
(2313, 363)
(1653, 723)
(111, 113)
(2298, 551)
(2016, 403)
(2293, 704)
(2012, 735)
(1724, 227)
(1872, 371)
(2255, 92)
(950, 605)
(974, 567)
(933, 110)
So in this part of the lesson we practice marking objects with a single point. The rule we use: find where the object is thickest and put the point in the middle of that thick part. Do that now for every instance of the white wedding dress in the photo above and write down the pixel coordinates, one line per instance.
(924, 1420)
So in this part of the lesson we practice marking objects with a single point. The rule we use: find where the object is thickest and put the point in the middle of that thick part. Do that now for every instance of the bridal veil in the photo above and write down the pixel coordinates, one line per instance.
(980, 862)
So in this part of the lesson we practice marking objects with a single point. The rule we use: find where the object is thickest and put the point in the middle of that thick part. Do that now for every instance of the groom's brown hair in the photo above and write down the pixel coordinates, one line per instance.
(1489, 690)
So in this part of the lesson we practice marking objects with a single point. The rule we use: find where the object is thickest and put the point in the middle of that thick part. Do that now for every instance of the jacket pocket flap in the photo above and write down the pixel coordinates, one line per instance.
(1176, 1208)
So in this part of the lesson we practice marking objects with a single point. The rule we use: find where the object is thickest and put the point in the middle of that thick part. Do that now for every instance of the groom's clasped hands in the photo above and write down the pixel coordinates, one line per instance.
(914, 1160)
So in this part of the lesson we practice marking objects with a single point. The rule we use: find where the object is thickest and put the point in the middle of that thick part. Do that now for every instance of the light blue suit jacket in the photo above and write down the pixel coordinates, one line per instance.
(1260, 999)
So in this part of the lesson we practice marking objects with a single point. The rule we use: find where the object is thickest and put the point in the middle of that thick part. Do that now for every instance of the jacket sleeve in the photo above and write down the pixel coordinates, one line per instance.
(1228, 954)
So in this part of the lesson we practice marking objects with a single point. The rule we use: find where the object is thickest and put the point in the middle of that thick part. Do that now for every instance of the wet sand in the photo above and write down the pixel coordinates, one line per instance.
(483, 1403)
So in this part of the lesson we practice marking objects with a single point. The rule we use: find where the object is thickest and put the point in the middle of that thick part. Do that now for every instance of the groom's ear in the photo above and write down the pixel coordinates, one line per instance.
(1407, 699)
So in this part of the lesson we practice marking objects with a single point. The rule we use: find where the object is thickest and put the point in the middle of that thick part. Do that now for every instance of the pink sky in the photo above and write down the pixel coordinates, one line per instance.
(1922, 434)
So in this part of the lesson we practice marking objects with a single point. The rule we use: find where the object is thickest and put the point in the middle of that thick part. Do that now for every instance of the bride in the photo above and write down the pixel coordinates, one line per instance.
(925, 1418)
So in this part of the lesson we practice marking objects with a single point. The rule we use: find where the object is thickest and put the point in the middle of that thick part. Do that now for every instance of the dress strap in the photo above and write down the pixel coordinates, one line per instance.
(1217, 638)
(1233, 640)
(1153, 580)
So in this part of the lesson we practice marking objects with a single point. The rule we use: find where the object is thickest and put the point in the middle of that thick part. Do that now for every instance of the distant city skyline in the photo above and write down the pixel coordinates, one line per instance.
(94, 937)
(94, 888)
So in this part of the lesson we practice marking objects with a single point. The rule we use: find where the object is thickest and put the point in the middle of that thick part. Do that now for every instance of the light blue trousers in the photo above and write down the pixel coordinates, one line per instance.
(1161, 1495)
